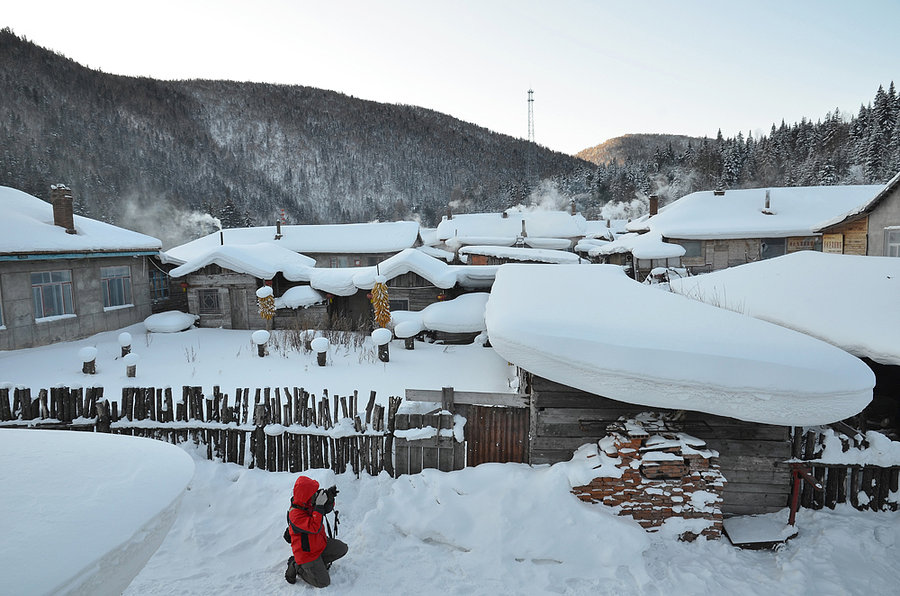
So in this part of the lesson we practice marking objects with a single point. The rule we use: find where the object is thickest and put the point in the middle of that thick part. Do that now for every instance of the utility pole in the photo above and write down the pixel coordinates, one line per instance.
(531, 115)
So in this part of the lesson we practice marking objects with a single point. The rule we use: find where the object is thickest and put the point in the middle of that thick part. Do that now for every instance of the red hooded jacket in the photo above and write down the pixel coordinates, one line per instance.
(306, 526)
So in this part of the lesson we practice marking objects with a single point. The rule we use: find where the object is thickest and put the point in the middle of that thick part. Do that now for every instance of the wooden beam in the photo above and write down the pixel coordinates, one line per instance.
(477, 398)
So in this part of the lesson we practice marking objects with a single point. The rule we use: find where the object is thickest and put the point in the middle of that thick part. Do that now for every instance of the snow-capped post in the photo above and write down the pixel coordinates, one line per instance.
(88, 357)
(381, 337)
(266, 299)
(407, 331)
(260, 338)
(125, 342)
(320, 345)
(131, 361)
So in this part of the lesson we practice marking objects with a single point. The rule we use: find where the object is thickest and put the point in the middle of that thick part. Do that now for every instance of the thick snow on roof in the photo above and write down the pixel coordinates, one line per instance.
(521, 254)
(463, 314)
(659, 349)
(794, 211)
(361, 238)
(643, 246)
(27, 227)
(852, 302)
(885, 190)
(299, 297)
(106, 501)
(261, 260)
(473, 228)
(410, 260)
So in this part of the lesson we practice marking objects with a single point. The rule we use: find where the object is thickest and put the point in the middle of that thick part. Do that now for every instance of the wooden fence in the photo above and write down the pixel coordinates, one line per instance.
(865, 487)
(289, 430)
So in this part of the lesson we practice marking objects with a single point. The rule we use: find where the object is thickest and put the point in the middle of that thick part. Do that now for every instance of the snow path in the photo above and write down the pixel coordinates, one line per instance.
(495, 529)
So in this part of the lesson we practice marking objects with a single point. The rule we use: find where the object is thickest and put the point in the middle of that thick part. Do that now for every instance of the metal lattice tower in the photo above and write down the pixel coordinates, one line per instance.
(531, 115)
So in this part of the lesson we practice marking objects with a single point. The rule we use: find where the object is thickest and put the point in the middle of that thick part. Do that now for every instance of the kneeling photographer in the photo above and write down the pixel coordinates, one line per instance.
(314, 551)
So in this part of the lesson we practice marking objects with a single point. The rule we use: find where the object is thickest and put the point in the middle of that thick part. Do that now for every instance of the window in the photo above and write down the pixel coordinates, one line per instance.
(159, 285)
(771, 247)
(209, 302)
(692, 248)
(1, 311)
(52, 294)
(116, 285)
(395, 305)
(892, 242)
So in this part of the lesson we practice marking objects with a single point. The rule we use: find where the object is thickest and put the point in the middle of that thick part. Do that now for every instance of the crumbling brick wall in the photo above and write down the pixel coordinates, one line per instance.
(665, 474)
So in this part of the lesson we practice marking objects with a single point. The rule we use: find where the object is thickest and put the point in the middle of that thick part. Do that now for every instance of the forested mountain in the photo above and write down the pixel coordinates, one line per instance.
(136, 149)
(861, 149)
(156, 156)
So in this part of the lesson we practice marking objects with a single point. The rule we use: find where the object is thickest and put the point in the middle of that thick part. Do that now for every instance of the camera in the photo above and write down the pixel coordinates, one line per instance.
(332, 492)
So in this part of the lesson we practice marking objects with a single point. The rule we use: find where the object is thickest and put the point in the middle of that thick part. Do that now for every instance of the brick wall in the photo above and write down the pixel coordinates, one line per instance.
(665, 474)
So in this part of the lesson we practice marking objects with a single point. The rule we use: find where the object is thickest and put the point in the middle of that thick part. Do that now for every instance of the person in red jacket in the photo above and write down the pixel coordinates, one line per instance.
(314, 551)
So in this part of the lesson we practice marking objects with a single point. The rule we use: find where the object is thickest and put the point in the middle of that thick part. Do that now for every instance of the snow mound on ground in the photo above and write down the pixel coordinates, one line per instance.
(87, 522)
(172, 321)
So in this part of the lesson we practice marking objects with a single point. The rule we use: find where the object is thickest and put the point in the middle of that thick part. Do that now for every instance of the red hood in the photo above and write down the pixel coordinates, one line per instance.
(304, 488)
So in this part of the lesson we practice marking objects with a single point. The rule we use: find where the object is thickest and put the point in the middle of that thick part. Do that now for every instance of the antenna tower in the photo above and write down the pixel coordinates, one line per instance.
(531, 115)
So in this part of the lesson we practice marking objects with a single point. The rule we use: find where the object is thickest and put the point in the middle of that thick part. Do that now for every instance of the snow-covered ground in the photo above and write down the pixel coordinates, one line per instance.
(227, 358)
(493, 529)
(496, 529)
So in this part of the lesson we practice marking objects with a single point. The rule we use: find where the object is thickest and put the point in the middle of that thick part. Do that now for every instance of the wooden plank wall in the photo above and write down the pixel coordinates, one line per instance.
(442, 453)
(751, 455)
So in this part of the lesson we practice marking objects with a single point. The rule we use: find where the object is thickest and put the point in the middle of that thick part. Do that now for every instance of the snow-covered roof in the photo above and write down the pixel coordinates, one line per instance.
(299, 297)
(463, 314)
(866, 208)
(852, 302)
(27, 227)
(663, 350)
(643, 246)
(794, 211)
(261, 260)
(521, 254)
(360, 238)
(410, 260)
(478, 228)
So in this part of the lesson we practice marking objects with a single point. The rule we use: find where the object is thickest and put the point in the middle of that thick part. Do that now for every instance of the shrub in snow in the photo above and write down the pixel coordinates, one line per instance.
(172, 321)
(88, 357)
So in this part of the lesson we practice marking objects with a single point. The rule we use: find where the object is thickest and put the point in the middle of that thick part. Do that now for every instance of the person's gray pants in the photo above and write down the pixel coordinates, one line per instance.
(315, 573)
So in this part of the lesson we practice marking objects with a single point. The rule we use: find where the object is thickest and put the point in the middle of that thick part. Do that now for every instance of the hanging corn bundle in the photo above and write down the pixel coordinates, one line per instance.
(380, 302)
(266, 300)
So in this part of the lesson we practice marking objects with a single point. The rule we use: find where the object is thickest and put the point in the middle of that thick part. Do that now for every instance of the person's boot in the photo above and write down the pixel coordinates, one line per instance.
(290, 574)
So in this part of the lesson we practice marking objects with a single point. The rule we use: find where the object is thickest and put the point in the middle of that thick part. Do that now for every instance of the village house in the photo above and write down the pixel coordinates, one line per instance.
(849, 301)
(724, 228)
(684, 421)
(872, 229)
(64, 276)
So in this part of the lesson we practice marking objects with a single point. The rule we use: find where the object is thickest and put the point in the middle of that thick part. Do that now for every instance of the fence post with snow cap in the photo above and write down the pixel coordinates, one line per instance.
(88, 357)
(131, 359)
(320, 345)
(381, 337)
(260, 338)
(125, 343)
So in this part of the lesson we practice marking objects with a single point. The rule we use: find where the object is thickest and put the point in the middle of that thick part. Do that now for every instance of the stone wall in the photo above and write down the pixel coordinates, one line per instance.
(664, 474)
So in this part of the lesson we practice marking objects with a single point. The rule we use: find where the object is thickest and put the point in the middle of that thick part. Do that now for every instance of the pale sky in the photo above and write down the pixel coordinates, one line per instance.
(599, 69)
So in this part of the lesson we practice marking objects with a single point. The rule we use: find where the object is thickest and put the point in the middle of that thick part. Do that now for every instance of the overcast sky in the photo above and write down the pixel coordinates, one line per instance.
(598, 69)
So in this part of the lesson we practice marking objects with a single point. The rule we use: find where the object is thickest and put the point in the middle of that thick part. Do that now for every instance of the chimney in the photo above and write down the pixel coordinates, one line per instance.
(61, 199)
(278, 230)
(767, 198)
(654, 205)
(719, 192)
(608, 223)
(572, 207)
(449, 212)
(504, 214)
(524, 233)
(221, 237)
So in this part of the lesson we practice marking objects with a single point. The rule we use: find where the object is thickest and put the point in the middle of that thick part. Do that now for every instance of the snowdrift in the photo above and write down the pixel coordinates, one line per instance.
(84, 512)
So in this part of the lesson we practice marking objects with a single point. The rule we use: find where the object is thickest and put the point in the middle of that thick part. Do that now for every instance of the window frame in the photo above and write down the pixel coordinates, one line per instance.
(159, 285)
(892, 245)
(208, 292)
(113, 281)
(65, 298)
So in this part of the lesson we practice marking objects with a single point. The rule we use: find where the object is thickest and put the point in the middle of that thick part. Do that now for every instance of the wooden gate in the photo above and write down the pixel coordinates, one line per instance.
(496, 427)
(496, 434)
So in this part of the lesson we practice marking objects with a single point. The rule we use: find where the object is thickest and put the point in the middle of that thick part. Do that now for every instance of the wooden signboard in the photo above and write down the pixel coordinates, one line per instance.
(833, 243)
